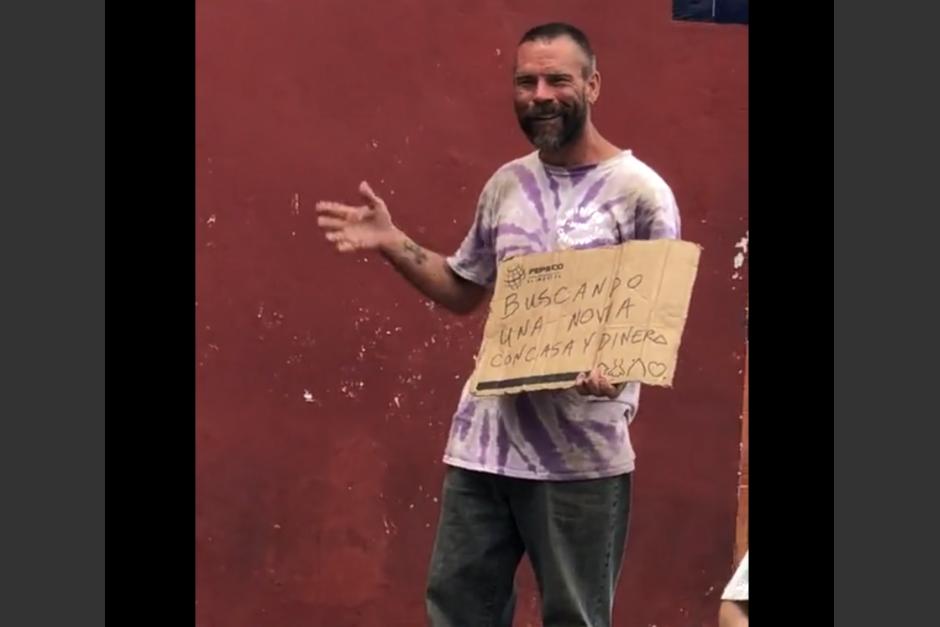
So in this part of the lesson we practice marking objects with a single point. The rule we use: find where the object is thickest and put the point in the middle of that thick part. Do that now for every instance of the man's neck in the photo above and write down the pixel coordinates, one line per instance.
(589, 149)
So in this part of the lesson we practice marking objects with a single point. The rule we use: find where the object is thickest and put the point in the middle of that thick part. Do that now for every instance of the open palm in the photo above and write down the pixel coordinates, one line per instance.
(351, 228)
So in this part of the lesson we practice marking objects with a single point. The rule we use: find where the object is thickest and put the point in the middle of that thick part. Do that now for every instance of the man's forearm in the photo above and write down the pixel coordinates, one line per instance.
(430, 274)
(732, 614)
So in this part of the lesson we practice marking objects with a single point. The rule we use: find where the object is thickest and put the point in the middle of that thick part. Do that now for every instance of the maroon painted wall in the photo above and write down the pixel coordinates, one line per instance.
(325, 385)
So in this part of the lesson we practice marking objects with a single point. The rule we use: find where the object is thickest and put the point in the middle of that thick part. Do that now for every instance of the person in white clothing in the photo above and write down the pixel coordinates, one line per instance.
(733, 611)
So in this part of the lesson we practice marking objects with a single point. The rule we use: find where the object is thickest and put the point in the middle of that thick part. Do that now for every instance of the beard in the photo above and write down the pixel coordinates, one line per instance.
(564, 125)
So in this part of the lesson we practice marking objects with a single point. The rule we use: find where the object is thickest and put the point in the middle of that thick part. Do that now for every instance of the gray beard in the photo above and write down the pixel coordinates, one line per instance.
(550, 141)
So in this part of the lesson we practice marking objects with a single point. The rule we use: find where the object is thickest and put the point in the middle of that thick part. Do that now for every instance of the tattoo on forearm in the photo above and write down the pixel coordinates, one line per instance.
(417, 253)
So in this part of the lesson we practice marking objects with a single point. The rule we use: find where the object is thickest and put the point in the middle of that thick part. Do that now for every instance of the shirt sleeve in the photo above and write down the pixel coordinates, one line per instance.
(657, 214)
(736, 590)
(475, 259)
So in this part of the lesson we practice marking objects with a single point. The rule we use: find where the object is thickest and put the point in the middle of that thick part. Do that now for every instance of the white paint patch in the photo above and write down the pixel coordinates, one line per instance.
(411, 379)
(498, 52)
(739, 258)
(307, 341)
(308, 397)
(397, 401)
(274, 319)
(295, 204)
(348, 388)
(211, 220)
(375, 143)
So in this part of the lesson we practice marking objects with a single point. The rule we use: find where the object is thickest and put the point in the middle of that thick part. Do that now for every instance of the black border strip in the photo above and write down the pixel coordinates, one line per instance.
(542, 378)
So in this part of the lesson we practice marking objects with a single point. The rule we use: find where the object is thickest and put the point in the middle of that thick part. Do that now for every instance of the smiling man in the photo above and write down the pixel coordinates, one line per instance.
(544, 473)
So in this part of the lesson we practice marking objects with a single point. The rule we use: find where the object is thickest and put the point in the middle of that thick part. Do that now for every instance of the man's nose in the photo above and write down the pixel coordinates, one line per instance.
(544, 92)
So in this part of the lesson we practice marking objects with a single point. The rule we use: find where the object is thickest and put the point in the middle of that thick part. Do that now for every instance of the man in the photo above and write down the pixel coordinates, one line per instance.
(545, 473)
(733, 611)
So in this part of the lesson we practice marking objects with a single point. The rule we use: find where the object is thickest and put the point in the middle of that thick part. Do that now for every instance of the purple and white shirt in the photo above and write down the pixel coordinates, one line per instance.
(528, 206)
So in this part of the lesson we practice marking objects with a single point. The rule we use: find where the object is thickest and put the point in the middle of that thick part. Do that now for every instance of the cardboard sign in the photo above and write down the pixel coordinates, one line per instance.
(554, 315)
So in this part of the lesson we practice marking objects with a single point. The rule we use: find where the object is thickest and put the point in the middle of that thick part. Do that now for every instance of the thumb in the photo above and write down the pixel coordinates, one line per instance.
(369, 195)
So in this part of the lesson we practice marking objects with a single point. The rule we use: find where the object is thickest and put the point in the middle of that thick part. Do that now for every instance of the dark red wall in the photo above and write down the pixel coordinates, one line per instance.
(326, 385)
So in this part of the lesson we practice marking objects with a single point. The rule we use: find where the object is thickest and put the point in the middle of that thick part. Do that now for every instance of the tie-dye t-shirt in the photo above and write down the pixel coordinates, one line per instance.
(528, 206)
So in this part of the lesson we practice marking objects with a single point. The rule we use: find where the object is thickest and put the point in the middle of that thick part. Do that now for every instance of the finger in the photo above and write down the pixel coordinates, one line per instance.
(607, 389)
(331, 223)
(345, 247)
(366, 190)
(335, 236)
(598, 377)
(336, 209)
(599, 383)
(581, 383)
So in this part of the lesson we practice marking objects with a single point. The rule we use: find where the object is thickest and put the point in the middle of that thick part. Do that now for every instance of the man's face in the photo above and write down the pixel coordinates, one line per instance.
(552, 96)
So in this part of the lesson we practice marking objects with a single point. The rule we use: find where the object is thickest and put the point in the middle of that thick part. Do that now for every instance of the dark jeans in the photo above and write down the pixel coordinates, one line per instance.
(574, 533)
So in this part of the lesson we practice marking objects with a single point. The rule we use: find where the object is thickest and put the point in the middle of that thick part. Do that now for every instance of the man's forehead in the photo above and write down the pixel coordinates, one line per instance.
(560, 54)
